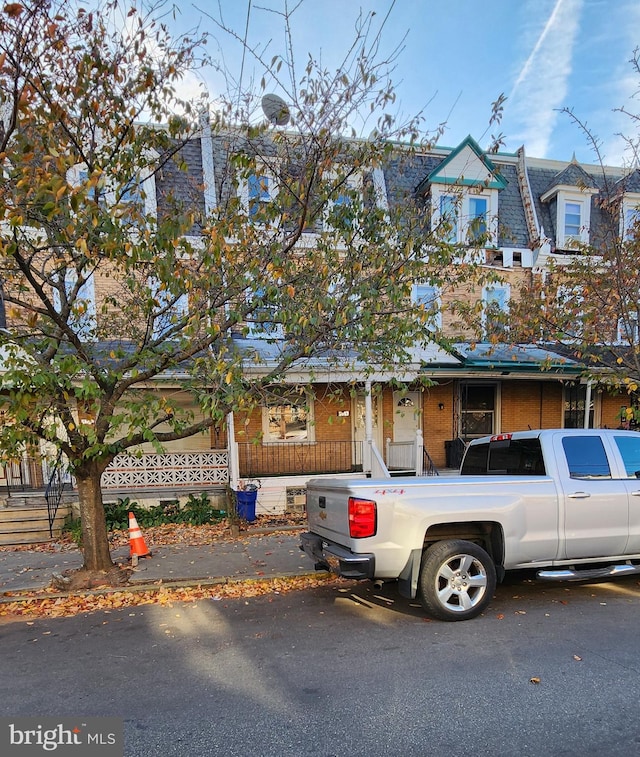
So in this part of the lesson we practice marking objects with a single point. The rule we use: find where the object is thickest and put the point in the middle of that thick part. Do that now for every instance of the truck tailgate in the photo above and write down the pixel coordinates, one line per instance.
(327, 509)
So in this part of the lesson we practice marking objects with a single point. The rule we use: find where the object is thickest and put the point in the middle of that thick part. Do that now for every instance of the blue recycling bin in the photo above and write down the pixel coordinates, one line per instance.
(246, 504)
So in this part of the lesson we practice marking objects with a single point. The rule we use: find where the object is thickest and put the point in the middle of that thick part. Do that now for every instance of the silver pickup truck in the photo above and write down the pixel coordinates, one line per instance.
(563, 501)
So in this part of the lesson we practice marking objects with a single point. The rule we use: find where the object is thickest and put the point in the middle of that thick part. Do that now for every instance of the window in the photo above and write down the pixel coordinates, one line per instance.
(287, 417)
(257, 189)
(263, 322)
(168, 308)
(572, 221)
(586, 457)
(628, 330)
(495, 309)
(449, 218)
(508, 457)
(259, 193)
(575, 397)
(428, 296)
(465, 218)
(477, 228)
(477, 410)
(630, 220)
(342, 209)
(82, 318)
(629, 448)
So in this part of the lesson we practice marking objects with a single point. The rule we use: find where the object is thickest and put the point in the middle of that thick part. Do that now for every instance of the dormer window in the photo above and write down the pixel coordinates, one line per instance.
(630, 218)
(464, 191)
(570, 194)
(257, 190)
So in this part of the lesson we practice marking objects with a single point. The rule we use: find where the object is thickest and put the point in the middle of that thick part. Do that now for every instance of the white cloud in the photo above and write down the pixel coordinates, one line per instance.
(541, 85)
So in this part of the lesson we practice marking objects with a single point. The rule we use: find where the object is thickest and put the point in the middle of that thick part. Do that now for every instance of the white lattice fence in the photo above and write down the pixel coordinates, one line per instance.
(173, 469)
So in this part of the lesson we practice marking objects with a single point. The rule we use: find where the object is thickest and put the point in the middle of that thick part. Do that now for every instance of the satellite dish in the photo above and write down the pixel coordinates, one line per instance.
(276, 110)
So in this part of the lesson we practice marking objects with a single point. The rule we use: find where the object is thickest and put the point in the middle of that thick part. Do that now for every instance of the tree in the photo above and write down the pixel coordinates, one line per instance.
(587, 302)
(81, 157)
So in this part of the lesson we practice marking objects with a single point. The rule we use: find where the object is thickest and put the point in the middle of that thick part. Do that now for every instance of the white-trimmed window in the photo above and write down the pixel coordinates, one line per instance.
(628, 330)
(168, 308)
(630, 219)
(495, 309)
(573, 215)
(428, 296)
(287, 416)
(263, 322)
(257, 189)
(83, 308)
(339, 211)
(465, 217)
(140, 190)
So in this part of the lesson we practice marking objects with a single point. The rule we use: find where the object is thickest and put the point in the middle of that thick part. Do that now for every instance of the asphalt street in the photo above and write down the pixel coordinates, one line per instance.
(548, 670)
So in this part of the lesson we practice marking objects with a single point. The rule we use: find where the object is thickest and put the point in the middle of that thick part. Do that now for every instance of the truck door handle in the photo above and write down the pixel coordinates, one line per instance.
(635, 494)
(579, 495)
(322, 501)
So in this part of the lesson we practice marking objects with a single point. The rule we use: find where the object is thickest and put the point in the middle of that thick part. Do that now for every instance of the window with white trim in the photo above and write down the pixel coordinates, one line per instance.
(428, 296)
(257, 190)
(82, 318)
(628, 330)
(465, 217)
(630, 220)
(263, 322)
(287, 416)
(168, 308)
(495, 309)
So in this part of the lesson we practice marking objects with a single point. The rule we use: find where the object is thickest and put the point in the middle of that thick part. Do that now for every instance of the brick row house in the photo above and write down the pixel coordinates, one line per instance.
(511, 215)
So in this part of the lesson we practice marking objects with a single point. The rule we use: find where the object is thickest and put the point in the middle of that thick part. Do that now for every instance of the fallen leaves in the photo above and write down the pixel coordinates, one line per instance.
(75, 604)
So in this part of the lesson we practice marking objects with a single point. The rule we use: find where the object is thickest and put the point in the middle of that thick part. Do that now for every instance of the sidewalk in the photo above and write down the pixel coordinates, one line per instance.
(247, 557)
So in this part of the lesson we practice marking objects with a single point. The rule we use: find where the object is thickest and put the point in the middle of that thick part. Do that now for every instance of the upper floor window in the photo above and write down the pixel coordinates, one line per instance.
(477, 224)
(82, 315)
(428, 296)
(449, 218)
(495, 300)
(257, 191)
(572, 221)
(628, 329)
(168, 309)
(630, 218)
(465, 217)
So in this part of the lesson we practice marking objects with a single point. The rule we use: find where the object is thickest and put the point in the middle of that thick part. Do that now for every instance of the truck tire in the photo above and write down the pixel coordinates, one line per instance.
(457, 580)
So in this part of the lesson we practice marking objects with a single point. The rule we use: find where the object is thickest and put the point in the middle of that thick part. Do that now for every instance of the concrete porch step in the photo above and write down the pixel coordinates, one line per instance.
(29, 524)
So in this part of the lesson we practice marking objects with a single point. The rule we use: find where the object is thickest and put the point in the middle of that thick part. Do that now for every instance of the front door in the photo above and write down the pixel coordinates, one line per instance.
(406, 416)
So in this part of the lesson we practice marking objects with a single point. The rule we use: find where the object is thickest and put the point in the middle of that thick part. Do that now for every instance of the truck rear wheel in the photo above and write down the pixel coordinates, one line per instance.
(457, 580)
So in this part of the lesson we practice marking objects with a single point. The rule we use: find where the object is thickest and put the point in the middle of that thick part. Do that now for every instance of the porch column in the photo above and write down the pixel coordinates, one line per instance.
(232, 446)
(368, 428)
(587, 405)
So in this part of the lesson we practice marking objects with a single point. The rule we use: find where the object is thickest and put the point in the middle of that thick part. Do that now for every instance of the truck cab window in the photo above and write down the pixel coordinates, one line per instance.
(629, 448)
(586, 457)
(514, 457)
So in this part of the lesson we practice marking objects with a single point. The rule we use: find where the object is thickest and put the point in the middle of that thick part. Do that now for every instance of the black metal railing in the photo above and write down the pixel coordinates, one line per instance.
(299, 458)
(454, 451)
(428, 466)
(24, 474)
(54, 490)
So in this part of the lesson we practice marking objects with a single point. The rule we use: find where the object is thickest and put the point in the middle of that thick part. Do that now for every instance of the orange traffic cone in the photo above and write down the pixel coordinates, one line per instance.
(137, 545)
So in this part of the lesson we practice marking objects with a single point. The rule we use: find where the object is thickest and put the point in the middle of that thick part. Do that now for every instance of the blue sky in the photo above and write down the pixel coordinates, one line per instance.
(460, 55)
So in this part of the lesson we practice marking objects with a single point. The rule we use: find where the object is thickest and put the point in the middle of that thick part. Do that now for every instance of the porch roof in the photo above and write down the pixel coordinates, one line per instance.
(341, 364)
(507, 359)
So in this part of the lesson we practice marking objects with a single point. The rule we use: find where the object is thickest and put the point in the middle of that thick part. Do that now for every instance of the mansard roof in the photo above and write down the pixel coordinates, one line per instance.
(629, 184)
(573, 175)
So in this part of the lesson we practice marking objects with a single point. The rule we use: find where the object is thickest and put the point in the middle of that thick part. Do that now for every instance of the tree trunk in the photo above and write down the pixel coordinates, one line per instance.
(95, 544)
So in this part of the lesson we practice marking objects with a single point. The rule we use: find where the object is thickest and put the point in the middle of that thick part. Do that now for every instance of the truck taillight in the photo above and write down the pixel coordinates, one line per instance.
(363, 518)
